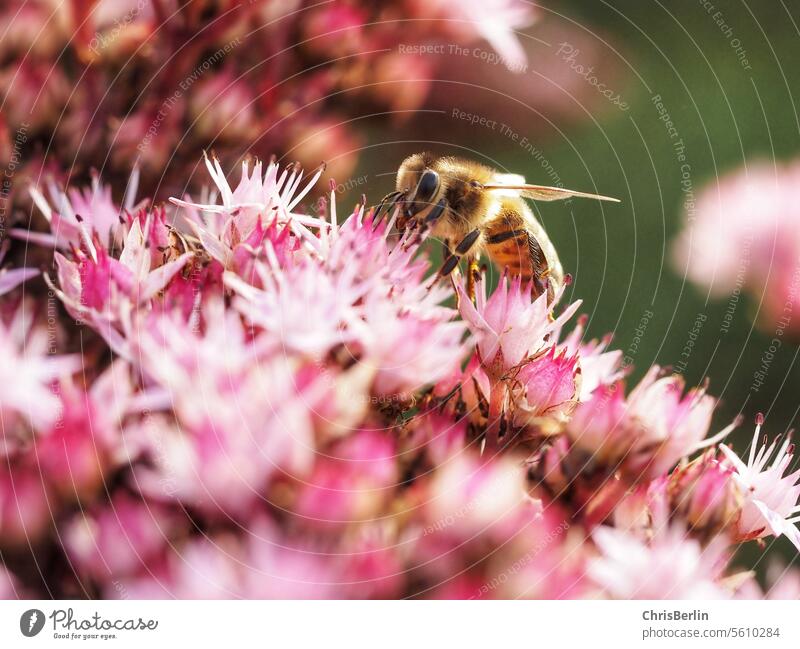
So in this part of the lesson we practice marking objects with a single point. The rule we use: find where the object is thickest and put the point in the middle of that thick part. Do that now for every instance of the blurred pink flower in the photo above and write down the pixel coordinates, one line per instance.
(119, 539)
(670, 566)
(351, 483)
(29, 374)
(9, 588)
(494, 20)
(26, 506)
(742, 235)
(242, 415)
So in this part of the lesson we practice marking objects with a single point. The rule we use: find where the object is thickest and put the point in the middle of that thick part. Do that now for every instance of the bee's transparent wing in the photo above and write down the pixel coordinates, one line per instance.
(510, 183)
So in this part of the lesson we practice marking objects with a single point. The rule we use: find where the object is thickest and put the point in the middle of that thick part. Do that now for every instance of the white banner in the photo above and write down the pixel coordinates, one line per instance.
(400, 624)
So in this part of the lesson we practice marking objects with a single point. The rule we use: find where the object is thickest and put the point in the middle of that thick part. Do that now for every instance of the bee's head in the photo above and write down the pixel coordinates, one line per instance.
(419, 184)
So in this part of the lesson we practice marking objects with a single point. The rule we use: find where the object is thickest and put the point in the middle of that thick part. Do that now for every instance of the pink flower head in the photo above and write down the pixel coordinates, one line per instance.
(118, 539)
(742, 234)
(351, 483)
(495, 20)
(242, 414)
(28, 374)
(304, 309)
(474, 498)
(670, 566)
(666, 424)
(770, 494)
(508, 326)
(260, 199)
(549, 385)
(406, 350)
(596, 427)
(599, 366)
(203, 567)
(705, 495)
(103, 291)
(78, 215)
(650, 431)
(26, 504)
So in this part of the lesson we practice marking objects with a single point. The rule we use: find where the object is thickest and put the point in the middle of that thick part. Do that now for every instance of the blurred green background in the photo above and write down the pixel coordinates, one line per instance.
(620, 255)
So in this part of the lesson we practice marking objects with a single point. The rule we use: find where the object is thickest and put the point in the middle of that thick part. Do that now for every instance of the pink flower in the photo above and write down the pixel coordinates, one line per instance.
(260, 199)
(670, 566)
(242, 415)
(79, 215)
(26, 506)
(305, 310)
(508, 326)
(770, 494)
(705, 495)
(549, 388)
(742, 235)
(76, 454)
(650, 431)
(103, 291)
(598, 365)
(495, 21)
(118, 539)
(596, 427)
(28, 374)
(666, 424)
(203, 567)
(351, 483)
(222, 108)
(407, 351)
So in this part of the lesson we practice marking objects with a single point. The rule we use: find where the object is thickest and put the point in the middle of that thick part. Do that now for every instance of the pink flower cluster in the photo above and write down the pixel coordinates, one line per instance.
(114, 82)
(266, 400)
(741, 236)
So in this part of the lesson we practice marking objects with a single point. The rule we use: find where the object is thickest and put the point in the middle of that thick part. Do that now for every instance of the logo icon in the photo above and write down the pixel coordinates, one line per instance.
(31, 622)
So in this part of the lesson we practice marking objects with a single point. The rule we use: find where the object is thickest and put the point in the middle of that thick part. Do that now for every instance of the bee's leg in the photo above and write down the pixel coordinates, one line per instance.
(504, 236)
(389, 200)
(473, 274)
(464, 246)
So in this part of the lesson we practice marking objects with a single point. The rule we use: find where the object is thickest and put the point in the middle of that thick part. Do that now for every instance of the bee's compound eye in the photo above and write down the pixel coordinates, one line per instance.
(428, 184)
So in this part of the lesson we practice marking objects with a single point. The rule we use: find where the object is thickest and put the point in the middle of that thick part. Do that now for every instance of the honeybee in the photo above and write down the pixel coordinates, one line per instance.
(475, 209)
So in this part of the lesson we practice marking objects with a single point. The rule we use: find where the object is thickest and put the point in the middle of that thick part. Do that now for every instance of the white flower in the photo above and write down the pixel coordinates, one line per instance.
(770, 496)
